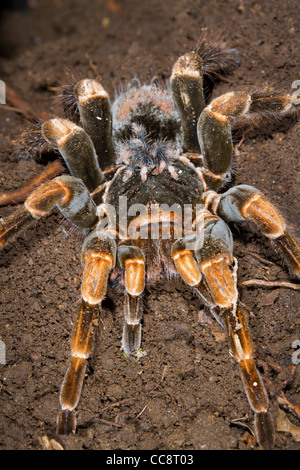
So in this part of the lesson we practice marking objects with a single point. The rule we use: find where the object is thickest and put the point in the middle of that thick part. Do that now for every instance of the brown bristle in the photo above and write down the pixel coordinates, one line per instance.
(66, 99)
(216, 59)
(31, 145)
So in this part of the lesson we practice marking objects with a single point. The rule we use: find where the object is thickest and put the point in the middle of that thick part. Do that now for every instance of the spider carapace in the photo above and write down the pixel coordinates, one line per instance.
(144, 183)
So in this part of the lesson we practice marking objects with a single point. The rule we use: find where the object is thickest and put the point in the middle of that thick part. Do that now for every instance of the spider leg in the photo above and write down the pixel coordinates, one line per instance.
(245, 202)
(69, 194)
(214, 126)
(187, 88)
(183, 254)
(242, 350)
(132, 260)
(76, 148)
(210, 268)
(98, 258)
(188, 82)
(73, 380)
(19, 195)
(94, 107)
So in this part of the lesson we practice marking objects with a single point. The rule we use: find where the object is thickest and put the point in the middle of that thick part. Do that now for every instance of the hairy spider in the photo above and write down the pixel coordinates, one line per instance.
(145, 184)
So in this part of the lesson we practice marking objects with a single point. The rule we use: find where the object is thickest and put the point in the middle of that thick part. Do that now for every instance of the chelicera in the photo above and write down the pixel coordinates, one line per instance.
(146, 184)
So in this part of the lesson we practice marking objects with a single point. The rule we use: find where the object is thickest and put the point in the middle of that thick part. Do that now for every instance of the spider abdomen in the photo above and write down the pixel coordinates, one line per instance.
(150, 106)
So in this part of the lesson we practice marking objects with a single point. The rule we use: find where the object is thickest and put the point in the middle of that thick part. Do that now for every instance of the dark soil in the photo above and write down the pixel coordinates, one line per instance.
(186, 393)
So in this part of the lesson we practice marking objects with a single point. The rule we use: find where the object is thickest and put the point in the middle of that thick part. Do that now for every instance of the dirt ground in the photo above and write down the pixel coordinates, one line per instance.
(186, 392)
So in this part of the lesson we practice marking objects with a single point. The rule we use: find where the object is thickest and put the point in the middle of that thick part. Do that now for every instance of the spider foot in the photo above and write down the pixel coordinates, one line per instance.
(265, 430)
(66, 422)
(132, 260)
(131, 339)
(242, 350)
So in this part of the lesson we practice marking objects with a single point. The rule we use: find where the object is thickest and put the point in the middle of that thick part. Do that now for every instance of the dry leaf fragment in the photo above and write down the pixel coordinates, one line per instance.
(292, 406)
(269, 299)
(51, 444)
(284, 425)
(56, 445)
(220, 336)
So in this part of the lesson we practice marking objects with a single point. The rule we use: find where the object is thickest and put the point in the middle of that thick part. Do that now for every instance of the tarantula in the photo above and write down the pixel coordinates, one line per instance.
(144, 184)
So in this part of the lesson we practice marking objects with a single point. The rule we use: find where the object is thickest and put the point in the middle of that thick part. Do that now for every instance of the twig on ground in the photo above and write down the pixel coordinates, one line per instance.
(141, 412)
(261, 282)
(110, 423)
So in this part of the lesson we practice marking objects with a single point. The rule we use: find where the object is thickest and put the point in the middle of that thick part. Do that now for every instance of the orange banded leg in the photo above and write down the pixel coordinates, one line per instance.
(205, 262)
(77, 150)
(219, 271)
(214, 125)
(247, 203)
(210, 268)
(94, 107)
(242, 350)
(132, 260)
(191, 74)
(80, 351)
(19, 195)
(216, 262)
(98, 258)
(69, 194)
(187, 88)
